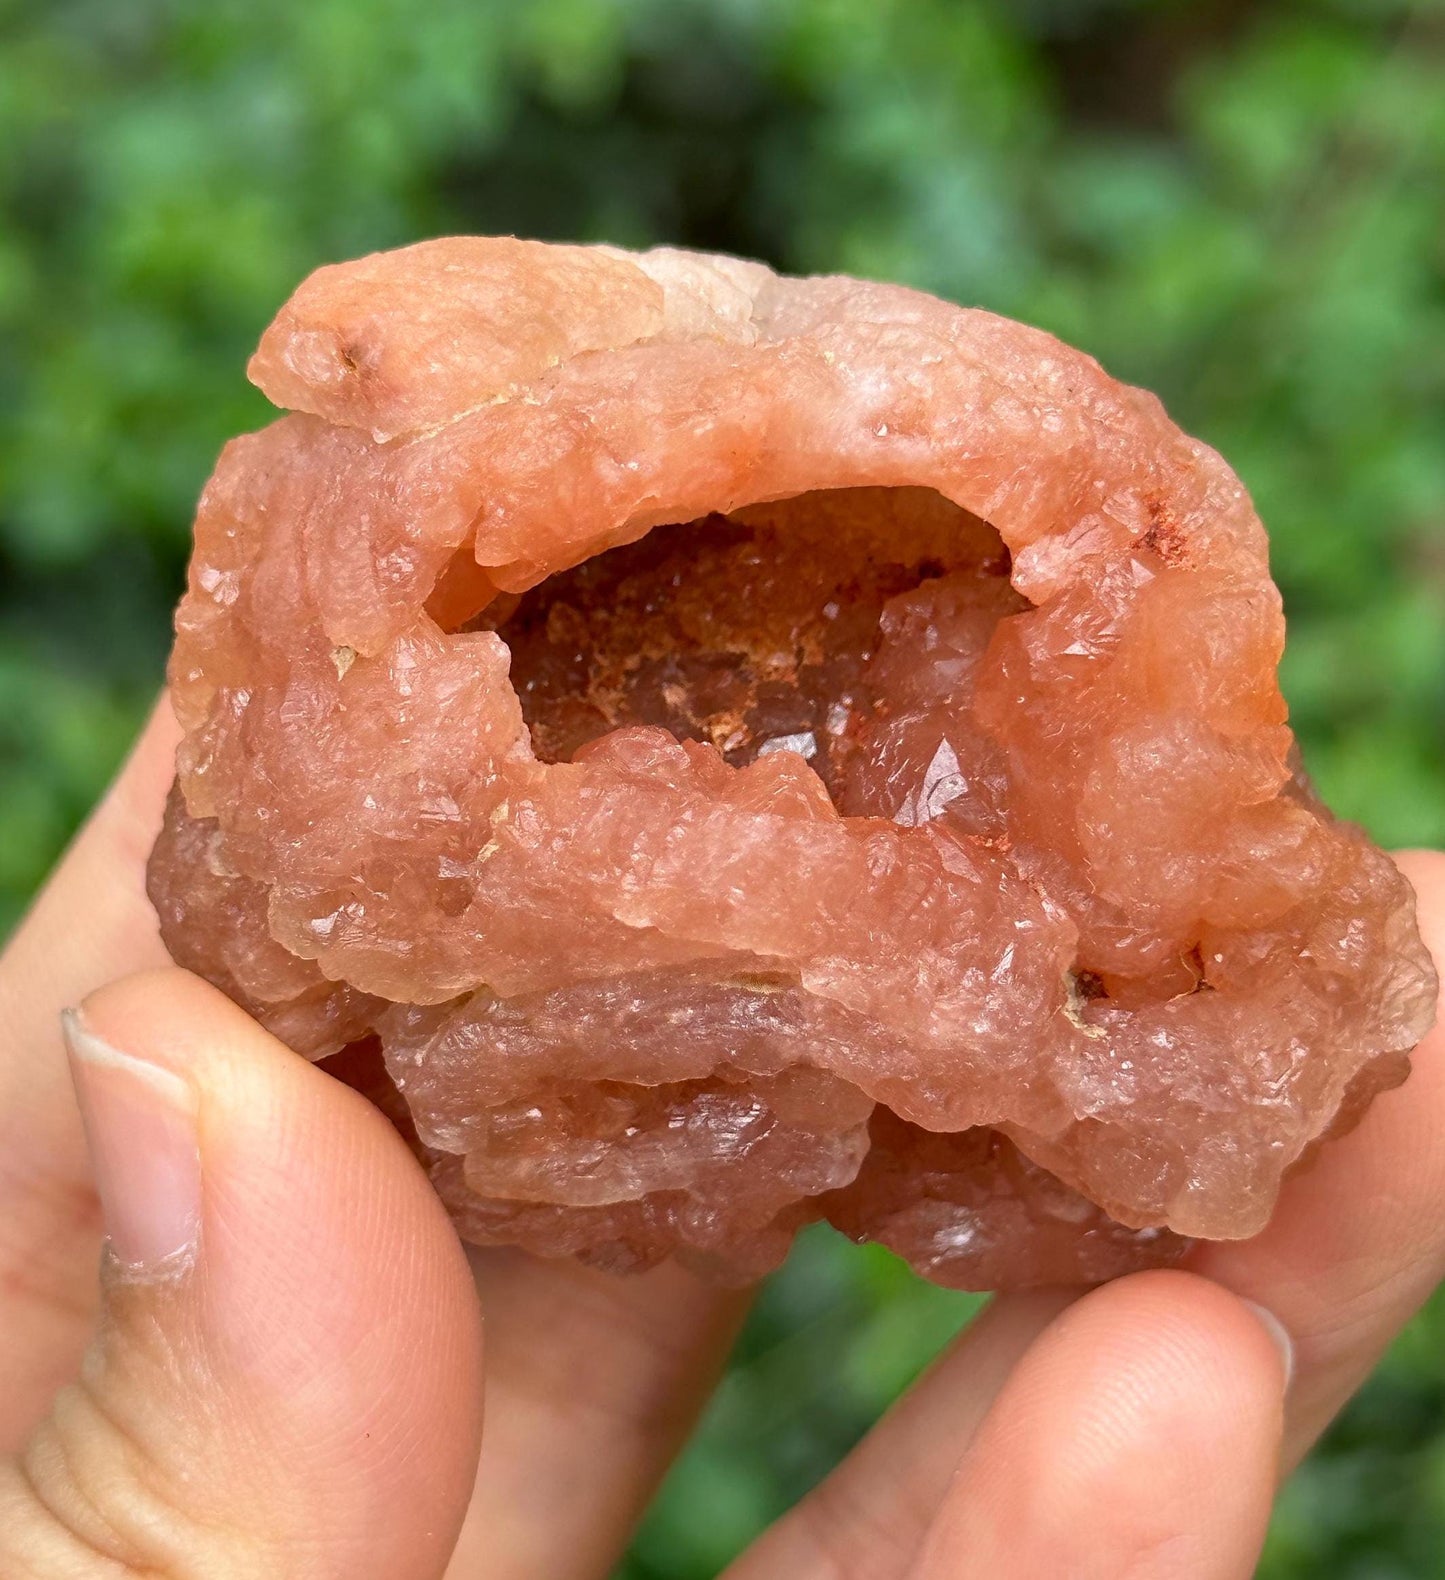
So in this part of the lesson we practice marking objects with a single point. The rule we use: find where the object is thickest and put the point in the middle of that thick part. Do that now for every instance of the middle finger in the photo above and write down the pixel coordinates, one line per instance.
(1357, 1242)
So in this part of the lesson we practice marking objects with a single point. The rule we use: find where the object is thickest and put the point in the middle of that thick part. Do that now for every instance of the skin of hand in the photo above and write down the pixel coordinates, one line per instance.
(280, 1370)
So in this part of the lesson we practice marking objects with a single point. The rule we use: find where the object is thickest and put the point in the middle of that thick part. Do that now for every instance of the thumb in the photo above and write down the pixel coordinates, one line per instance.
(287, 1376)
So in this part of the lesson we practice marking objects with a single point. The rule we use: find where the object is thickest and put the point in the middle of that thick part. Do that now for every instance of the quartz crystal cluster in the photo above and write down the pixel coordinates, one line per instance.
(709, 752)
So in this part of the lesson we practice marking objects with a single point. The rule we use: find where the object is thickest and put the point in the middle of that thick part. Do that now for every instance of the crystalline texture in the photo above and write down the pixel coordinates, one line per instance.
(708, 751)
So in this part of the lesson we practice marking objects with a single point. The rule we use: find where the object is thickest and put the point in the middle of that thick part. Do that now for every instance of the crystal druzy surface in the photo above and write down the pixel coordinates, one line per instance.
(708, 751)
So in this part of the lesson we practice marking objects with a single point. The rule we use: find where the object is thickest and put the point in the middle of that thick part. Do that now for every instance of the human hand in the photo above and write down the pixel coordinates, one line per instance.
(287, 1374)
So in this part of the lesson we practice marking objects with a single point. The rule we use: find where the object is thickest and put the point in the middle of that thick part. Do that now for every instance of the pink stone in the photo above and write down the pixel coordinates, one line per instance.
(707, 752)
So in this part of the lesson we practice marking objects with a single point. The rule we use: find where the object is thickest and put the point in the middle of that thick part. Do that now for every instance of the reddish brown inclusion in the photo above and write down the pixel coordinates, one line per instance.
(751, 632)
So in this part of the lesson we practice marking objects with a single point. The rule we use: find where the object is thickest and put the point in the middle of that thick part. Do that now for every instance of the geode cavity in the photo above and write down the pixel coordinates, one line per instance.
(711, 751)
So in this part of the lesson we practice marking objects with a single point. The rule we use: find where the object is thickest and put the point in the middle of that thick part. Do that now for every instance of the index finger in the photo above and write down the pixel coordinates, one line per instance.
(90, 923)
(1357, 1242)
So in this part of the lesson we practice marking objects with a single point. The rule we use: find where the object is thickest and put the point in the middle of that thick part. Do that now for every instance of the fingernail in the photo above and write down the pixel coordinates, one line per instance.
(1280, 1334)
(140, 1126)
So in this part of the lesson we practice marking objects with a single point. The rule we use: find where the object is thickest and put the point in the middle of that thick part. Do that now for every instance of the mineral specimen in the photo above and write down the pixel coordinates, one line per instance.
(709, 751)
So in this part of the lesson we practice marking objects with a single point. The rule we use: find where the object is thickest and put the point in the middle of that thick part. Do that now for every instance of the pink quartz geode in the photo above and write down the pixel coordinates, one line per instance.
(709, 751)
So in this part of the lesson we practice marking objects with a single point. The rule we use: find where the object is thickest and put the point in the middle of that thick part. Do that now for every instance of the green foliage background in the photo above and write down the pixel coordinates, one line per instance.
(1237, 204)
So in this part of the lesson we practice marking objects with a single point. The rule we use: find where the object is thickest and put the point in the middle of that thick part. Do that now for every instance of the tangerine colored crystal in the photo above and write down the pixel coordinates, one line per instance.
(708, 751)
